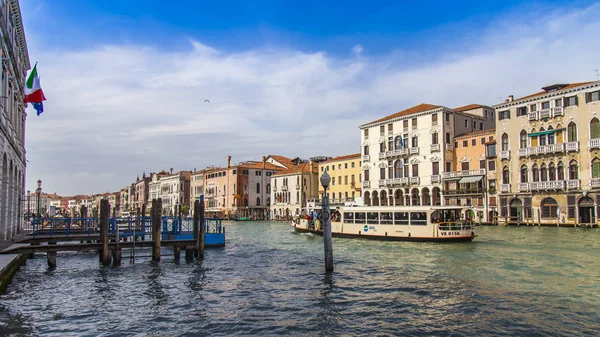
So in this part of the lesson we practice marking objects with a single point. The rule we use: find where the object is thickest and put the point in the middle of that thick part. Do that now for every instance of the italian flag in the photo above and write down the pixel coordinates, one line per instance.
(33, 91)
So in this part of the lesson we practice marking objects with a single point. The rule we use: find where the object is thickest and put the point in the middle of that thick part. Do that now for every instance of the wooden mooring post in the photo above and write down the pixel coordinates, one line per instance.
(202, 226)
(196, 221)
(177, 252)
(104, 214)
(156, 224)
(51, 257)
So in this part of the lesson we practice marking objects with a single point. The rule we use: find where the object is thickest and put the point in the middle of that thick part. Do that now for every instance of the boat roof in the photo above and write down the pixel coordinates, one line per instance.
(399, 208)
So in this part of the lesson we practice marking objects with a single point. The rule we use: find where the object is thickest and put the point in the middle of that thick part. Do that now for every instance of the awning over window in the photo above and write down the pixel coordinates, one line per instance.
(541, 133)
(465, 180)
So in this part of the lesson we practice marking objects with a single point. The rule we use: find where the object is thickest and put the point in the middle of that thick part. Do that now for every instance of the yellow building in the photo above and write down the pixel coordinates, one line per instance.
(345, 175)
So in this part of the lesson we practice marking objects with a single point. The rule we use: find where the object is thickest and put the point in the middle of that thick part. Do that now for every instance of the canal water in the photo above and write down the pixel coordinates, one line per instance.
(271, 281)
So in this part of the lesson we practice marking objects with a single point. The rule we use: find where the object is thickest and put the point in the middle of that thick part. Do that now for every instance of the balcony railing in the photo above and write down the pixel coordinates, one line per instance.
(382, 183)
(594, 143)
(381, 155)
(414, 180)
(543, 149)
(435, 179)
(572, 146)
(434, 147)
(595, 183)
(366, 157)
(542, 185)
(505, 155)
(366, 184)
(284, 188)
(465, 173)
(463, 191)
(414, 150)
(395, 153)
(505, 188)
(449, 147)
(573, 184)
(546, 113)
(523, 186)
(297, 187)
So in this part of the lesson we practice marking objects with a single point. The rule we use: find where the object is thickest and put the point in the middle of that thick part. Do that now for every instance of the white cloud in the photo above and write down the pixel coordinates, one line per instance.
(114, 111)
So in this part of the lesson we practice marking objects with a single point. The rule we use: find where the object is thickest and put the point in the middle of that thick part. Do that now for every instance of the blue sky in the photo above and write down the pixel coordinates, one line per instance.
(126, 80)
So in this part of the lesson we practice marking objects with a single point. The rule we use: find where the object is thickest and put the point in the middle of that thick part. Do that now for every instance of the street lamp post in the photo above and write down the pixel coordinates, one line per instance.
(326, 221)
(38, 191)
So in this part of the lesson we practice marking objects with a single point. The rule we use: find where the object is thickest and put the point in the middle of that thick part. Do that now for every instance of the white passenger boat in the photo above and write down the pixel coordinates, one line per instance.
(396, 223)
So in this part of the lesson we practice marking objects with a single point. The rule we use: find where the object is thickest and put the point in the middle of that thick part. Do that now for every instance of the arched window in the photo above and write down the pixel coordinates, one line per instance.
(542, 137)
(425, 197)
(268, 188)
(297, 196)
(559, 134)
(551, 172)
(398, 169)
(304, 182)
(523, 138)
(505, 175)
(268, 201)
(505, 142)
(367, 199)
(257, 201)
(257, 187)
(549, 208)
(551, 135)
(524, 173)
(560, 171)
(594, 128)
(398, 142)
(543, 173)
(415, 197)
(573, 170)
(534, 139)
(535, 173)
(595, 168)
(572, 132)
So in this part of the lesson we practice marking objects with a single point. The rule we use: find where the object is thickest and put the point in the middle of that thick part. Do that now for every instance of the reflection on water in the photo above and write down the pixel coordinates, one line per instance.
(271, 281)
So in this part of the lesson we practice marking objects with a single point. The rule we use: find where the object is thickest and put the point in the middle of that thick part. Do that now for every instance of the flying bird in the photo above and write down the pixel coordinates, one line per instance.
(206, 101)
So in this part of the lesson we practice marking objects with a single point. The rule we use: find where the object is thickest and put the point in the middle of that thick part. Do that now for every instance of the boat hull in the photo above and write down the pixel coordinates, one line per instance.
(389, 238)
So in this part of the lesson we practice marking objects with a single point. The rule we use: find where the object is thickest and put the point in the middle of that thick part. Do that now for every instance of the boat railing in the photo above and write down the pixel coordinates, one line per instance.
(455, 226)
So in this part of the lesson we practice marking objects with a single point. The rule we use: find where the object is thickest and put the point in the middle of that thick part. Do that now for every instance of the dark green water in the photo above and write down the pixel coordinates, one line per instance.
(271, 281)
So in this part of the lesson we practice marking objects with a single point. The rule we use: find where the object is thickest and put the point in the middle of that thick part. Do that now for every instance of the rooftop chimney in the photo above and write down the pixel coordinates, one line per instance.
(511, 98)
(228, 161)
(264, 161)
(506, 100)
(171, 170)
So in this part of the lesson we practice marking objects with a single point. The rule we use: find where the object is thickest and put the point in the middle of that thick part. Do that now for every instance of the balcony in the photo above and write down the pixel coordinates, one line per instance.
(297, 187)
(532, 116)
(463, 191)
(366, 157)
(557, 111)
(435, 179)
(366, 184)
(543, 149)
(505, 155)
(545, 113)
(284, 188)
(434, 148)
(396, 153)
(414, 180)
(573, 184)
(523, 187)
(466, 173)
(594, 143)
(414, 150)
(595, 183)
(381, 155)
(572, 146)
(544, 185)
(382, 183)
(505, 188)
(449, 147)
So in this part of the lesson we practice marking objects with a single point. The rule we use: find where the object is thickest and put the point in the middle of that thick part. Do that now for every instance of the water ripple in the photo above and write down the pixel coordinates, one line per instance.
(270, 281)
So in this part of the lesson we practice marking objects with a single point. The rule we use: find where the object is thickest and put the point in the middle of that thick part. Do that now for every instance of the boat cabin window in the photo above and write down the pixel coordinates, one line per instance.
(418, 218)
(386, 218)
(446, 215)
(359, 218)
(373, 218)
(401, 218)
(348, 217)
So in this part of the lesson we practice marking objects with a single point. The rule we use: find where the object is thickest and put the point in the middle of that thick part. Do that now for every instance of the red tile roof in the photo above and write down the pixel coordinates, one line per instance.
(350, 156)
(303, 167)
(476, 133)
(259, 165)
(570, 86)
(283, 160)
(415, 109)
(468, 107)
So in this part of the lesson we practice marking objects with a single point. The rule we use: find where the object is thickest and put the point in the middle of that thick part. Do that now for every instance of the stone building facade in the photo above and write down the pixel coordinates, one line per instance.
(15, 64)
(549, 156)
